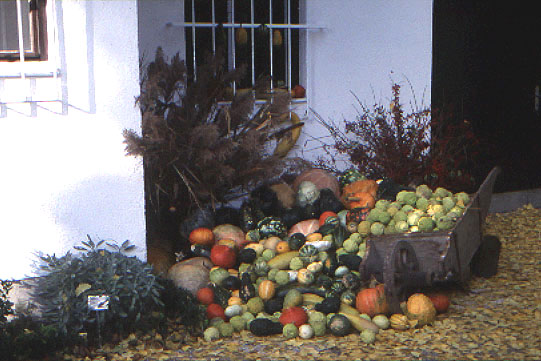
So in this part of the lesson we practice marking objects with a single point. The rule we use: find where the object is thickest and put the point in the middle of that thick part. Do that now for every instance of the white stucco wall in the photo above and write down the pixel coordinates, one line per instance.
(66, 176)
(365, 47)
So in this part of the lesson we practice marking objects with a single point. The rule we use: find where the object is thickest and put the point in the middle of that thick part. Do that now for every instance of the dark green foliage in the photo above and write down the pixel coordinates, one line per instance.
(180, 303)
(25, 339)
(5, 304)
(62, 291)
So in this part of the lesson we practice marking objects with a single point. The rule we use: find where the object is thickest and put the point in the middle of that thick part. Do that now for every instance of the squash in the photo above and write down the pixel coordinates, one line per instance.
(349, 176)
(271, 242)
(247, 289)
(234, 300)
(328, 305)
(215, 310)
(229, 231)
(306, 331)
(274, 305)
(347, 297)
(295, 315)
(266, 290)
(314, 237)
(305, 277)
(372, 301)
(305, 227)
(231, 283)
(265, 327)
(321, 178)
(247, 255)
(296, 241)
(203, 236)
(420, 307)
(257, 247)
(281, 261)
(293, 298)
(441, 301)
(188, 276)
(339, 325)
(282, 247)
(308, 253)
(271, 226)
(223, 256)
(229, 243)
(361, 200)
(399, 321)
(323, 217)
(367, 185)
(205, 295)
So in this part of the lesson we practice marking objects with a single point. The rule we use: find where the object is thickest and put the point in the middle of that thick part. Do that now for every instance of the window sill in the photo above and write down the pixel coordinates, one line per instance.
(42, 69)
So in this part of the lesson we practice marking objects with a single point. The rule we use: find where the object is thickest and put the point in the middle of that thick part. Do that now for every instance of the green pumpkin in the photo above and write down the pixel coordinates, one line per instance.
(296, 241)
(338, 287)
(335, 220)
(326, 228)
(308, 253)
(351, 281)
(261, 268)
(349, 176)
(340, 234)
(271, 226)
(339, 325)
(348, 297)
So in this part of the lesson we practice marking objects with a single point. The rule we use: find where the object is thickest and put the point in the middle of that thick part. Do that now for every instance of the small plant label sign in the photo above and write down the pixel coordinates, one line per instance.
(98, 302)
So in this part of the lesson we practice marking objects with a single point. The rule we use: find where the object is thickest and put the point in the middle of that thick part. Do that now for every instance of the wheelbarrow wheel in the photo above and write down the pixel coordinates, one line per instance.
(399, 266)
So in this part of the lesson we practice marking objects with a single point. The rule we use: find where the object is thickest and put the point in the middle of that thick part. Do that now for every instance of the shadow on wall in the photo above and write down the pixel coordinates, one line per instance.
(104, 207)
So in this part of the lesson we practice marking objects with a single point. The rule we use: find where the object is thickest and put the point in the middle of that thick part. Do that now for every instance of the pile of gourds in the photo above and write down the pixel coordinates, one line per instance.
(303, 280)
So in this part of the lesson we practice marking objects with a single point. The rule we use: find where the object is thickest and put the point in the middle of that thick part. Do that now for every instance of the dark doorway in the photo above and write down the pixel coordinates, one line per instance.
(486, 69)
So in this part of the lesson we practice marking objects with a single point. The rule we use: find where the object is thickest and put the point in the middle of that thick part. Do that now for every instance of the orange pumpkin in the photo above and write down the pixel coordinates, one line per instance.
(202, 236)
(282, 247)
(360, 200)
(372, 301)
(360, 186)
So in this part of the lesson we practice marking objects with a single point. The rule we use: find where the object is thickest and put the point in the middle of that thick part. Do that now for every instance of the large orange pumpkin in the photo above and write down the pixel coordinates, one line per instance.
(365, 185)
(372, 301)
(360, 200)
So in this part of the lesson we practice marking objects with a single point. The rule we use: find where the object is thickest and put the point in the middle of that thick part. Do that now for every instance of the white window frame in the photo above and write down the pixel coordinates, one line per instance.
(19, 80)
(287, 27)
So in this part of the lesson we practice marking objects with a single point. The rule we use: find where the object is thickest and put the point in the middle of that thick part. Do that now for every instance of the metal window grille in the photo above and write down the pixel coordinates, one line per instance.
(21, 81)
(264, 10)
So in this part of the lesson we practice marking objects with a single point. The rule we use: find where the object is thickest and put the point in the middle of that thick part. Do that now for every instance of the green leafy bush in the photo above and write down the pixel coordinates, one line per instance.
(101, 269)
(5, 304)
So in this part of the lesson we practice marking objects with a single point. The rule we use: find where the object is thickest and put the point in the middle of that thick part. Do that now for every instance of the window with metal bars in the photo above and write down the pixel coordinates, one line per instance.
(264, 36)
(23, 30)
